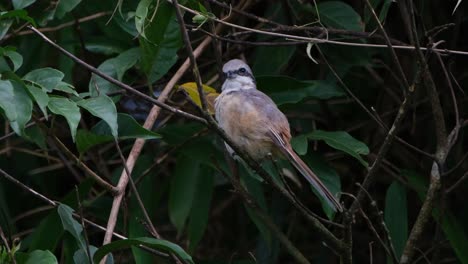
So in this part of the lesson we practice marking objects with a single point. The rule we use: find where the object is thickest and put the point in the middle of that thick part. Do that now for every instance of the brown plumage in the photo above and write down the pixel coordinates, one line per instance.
(254, 122)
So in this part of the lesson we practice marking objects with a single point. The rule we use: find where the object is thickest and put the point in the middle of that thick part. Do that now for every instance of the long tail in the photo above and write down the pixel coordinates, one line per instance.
(307, 172)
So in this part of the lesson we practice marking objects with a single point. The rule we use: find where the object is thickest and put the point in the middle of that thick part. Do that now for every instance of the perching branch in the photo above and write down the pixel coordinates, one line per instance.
(319, 227)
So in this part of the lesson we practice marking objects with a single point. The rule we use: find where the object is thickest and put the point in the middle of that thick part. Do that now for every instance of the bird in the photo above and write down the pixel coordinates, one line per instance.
(255, 124)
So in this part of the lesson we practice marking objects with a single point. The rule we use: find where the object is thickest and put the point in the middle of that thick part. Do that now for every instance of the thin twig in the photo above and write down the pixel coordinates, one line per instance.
(117, 82)
(318, 40)
(335, 243)
(372, 171)
(80, 209)
(7, 246)
(55, 204)
(148, 221)
(390, 249)
(250, 202)
(59, 27)
(83, 166)
(193, 62)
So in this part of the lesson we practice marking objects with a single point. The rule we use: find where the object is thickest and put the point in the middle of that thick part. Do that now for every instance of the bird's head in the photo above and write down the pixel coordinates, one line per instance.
(238, 76)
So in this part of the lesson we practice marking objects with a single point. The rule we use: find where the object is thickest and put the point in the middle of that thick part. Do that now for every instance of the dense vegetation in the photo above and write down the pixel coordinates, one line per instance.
(93, 91)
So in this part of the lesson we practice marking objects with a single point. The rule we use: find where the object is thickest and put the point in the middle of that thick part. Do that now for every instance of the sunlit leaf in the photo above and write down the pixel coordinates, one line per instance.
(210, 94)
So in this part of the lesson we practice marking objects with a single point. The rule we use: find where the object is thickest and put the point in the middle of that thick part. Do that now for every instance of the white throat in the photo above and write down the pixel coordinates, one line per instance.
(238, 83)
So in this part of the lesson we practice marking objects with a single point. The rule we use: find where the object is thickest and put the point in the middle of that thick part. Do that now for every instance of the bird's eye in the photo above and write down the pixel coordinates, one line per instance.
(242, 70)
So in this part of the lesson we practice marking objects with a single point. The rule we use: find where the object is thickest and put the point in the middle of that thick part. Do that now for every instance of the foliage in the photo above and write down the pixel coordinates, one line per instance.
(315, 59)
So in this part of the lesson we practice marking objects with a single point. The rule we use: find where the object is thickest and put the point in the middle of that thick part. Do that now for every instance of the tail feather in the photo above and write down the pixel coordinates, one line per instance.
(312, 178)
(306, 172)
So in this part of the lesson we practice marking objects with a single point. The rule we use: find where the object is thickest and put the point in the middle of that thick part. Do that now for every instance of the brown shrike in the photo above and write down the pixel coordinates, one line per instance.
(254, 122)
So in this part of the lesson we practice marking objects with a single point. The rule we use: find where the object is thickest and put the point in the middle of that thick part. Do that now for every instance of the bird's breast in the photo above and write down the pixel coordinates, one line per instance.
(243, 123)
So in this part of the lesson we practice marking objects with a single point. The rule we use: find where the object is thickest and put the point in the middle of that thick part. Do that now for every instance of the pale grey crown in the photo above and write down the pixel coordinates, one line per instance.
(236, 67)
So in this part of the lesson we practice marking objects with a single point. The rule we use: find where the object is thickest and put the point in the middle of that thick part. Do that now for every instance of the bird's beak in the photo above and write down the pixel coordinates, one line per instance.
(229, 75)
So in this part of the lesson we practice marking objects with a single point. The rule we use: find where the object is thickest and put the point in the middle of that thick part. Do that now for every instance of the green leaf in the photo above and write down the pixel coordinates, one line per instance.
(15, 58)
(16, 104)
(300, 144)
(396, 217)
(104, 108)
(284, 90)
(328, 176)
(87, 139)
(182, 190)
(81, 256)
(255, 188)
(46, 78)
(384, 6)
(64, 7)
(150, 196)
(263, 62)
(128, 128)
(141, 14)
(5, 25)
(339, 15)
(146, 241)
(70, 224)
(41, 98)
(16, 14)
(41, 257)
(201, 207)
(21, 4)
(66, 87)
(115, 68)
(343, 141)
(47, 234)
(173, 134)
(37, 136)
(7, 100)
(160, 42)
(68, 109)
